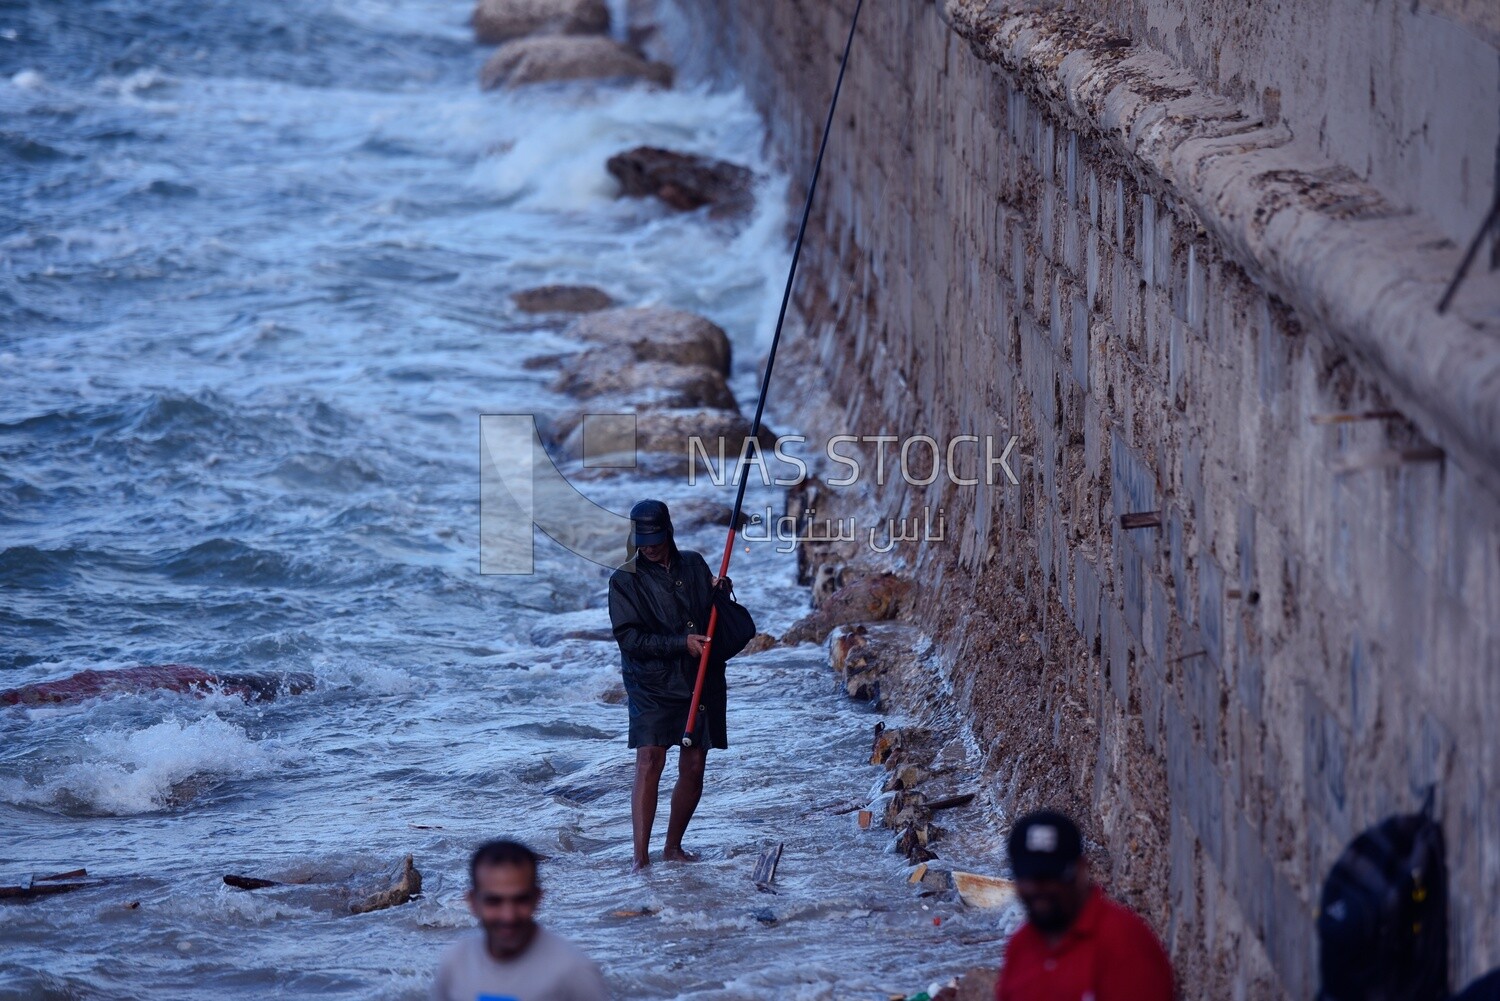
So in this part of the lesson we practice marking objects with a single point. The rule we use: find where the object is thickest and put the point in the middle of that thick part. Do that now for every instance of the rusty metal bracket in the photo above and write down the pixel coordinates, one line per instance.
(1141, 519)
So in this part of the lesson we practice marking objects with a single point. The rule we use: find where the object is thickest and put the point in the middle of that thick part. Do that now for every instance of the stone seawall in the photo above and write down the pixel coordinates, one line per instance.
(1031, 225)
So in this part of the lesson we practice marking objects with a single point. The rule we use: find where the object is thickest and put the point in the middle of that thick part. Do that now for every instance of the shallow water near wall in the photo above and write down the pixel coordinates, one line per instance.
(254, 277)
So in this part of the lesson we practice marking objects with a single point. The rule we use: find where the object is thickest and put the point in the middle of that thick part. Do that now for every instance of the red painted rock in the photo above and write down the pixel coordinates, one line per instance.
(154, 677)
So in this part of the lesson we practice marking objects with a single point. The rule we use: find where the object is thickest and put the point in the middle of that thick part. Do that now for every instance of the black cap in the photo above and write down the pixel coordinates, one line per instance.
(1043, 845)
(650, 523)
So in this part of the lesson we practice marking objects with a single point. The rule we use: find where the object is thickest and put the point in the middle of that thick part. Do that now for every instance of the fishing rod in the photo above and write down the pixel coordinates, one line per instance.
(696, 707)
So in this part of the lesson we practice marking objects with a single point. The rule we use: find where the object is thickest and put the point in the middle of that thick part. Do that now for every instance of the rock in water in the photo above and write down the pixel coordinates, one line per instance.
(654, 333)
(868, 599)
(497, 21)
(407, 884)
(562, 299)
(759, 642)
(589, 624)
(155, 677)
(611, 372)
(555, 58)
(671, 432)
(248, 882)
(684, 181)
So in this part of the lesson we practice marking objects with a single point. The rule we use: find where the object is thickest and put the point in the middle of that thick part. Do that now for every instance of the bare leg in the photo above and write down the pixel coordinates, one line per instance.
(685, 795)
(649, 762)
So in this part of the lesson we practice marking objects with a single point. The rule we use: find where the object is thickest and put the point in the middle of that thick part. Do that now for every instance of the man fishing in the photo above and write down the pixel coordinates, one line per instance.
(659, 604)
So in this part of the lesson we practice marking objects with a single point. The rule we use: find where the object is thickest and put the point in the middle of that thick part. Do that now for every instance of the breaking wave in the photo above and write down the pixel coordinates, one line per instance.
(126, 772)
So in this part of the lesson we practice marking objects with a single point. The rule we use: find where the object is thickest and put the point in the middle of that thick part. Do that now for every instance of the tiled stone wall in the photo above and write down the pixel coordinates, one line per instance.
(1312, 635)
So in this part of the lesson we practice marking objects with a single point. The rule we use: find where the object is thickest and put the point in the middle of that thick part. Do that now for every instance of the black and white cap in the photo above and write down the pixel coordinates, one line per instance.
(1044, 845)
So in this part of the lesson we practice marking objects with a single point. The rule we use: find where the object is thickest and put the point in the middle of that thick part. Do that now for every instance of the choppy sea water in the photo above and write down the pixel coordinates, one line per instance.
(254, 274)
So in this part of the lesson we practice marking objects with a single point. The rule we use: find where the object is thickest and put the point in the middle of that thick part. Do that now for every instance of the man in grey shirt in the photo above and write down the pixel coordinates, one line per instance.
(511, 957)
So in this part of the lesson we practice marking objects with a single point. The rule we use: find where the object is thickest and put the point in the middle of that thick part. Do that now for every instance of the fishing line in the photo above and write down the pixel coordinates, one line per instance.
(695, 707)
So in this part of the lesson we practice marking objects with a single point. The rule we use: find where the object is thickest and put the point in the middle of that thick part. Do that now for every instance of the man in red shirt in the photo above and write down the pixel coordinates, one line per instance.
(1076, 944)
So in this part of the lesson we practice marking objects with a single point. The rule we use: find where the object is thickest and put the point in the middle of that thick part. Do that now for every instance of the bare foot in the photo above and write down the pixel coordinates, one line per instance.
(637, 865)
(678, 854)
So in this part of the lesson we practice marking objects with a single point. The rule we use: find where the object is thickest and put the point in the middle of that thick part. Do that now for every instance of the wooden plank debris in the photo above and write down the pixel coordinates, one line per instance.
(765, 868)
(406, 885)
(70, 874)
(31, 887)
(951, 802)
(249, 882)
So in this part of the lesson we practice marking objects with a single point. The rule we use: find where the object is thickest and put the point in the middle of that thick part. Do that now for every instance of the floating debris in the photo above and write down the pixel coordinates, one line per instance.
(983, 891)
(765, 868)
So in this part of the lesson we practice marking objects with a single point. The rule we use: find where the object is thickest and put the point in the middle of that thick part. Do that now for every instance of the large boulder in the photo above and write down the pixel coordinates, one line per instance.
(557, 58)
(497, 21)
(685, 181)
(669, 433)
(655, 333)
(561, 299)
(610, 373)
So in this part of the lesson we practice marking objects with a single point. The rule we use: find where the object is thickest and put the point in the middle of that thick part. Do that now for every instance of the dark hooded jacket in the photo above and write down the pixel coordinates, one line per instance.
(653, 610)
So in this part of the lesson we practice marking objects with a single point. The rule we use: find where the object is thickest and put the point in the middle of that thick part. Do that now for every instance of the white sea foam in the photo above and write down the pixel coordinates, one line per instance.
(128, 772)
(142, 81)
(556, 162)
(372, 679)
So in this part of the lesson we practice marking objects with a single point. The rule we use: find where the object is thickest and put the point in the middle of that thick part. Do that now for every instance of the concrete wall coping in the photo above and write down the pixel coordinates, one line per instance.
(1305, 227)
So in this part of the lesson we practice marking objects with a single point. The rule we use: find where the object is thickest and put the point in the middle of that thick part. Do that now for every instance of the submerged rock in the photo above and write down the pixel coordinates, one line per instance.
(684, 181)
(156, 677)
(691, 513)
(562, 299)
(656, 333)
(498, 21)
(556, 58)
(588, 624)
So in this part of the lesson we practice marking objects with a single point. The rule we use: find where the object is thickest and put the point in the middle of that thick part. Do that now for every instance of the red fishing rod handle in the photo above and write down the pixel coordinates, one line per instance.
(696, 706)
